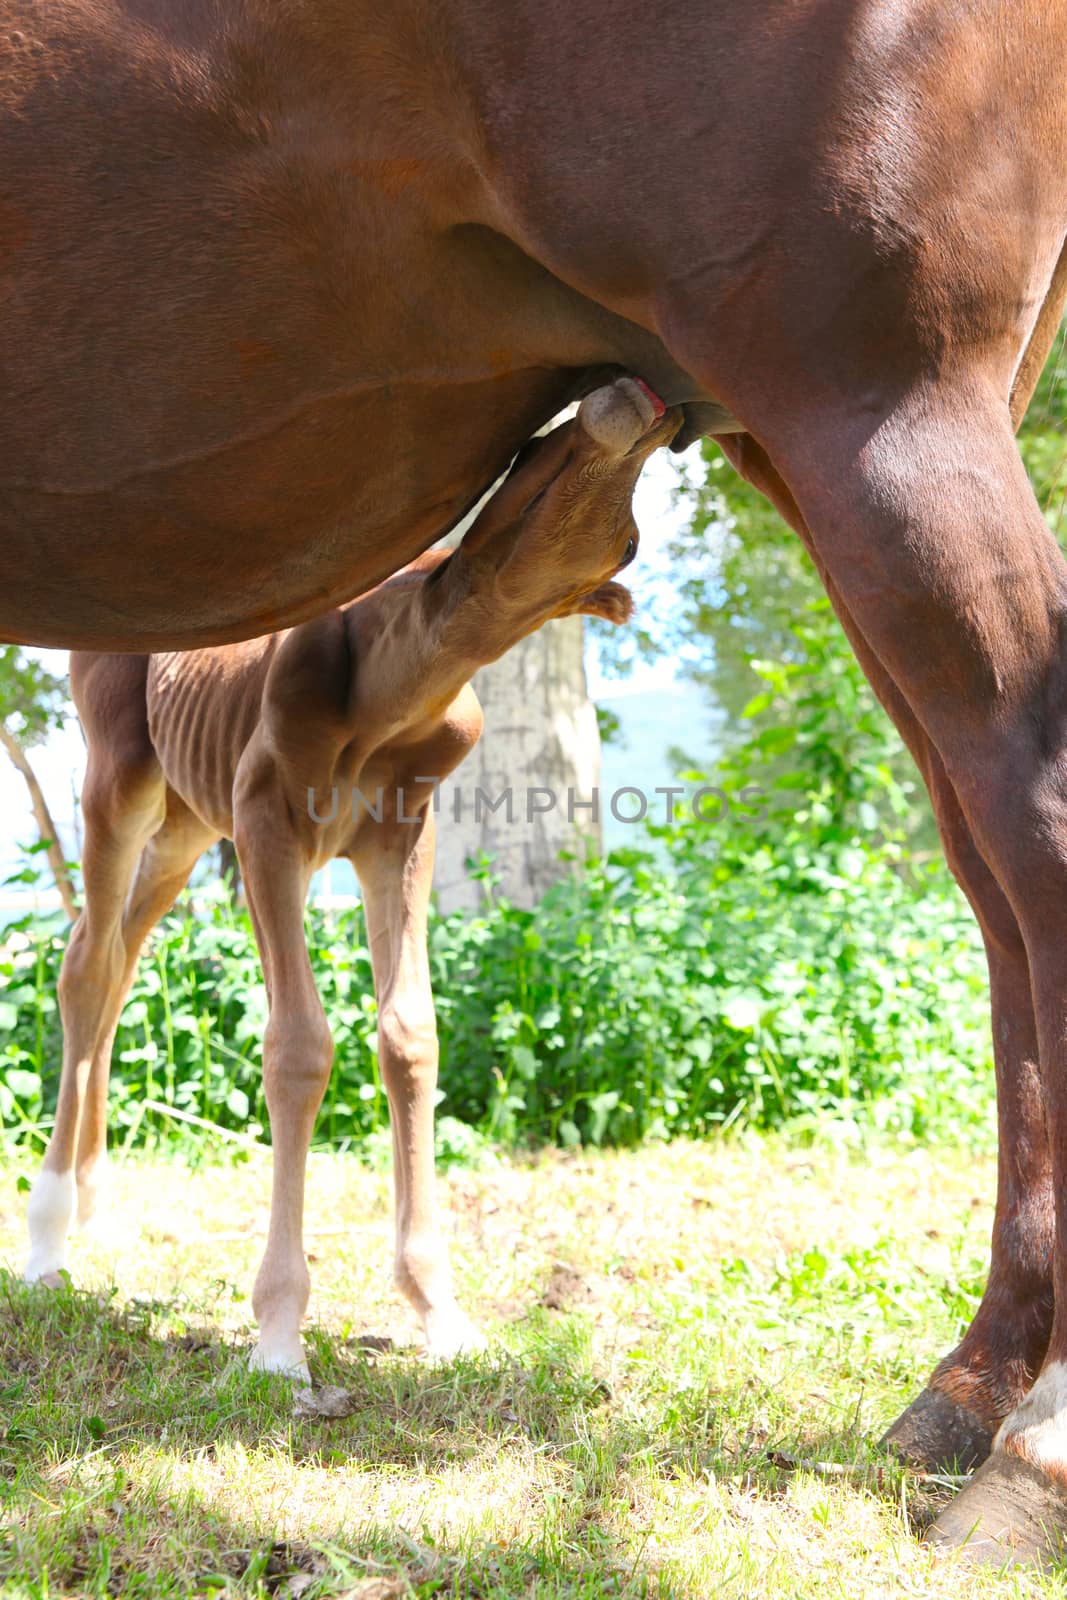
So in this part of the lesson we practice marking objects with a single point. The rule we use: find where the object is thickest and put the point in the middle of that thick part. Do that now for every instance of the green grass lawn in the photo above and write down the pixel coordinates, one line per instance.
(694, 1348)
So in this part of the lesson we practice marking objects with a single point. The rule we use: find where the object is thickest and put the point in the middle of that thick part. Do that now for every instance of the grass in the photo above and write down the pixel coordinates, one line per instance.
(694, 1350)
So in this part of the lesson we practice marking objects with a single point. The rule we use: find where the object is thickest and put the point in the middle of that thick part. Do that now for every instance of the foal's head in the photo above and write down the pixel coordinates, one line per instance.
(552, 538)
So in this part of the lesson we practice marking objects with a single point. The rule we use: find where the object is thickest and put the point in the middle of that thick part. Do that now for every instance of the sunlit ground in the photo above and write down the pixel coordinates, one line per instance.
(694, 1350)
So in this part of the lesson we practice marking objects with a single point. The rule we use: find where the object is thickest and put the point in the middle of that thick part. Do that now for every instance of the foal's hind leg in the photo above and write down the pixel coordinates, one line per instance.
(162, 872)
(926, 524)
(122, 805)
(953, 1421)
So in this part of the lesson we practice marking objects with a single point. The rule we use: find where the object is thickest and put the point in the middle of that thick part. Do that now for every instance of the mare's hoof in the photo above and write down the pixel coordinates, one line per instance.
(1011, 1514)
(936, 1435)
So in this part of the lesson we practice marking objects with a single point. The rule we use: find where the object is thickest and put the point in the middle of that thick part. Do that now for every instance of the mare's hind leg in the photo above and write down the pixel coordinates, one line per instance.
(953, 1421)
(924, 520)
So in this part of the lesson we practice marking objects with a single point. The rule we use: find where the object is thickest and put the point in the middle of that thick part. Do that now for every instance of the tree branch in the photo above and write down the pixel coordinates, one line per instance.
(46, 828)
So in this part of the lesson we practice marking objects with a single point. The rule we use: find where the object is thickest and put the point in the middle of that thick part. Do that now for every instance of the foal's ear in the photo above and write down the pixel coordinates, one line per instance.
(612, 602)
(619, 414)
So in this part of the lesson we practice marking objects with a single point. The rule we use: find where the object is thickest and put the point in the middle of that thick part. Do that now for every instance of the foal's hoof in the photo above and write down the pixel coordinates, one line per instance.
(936, 1435)
(1011, 1514)
(286, 1360)
(44, 1280)
(451, 1337)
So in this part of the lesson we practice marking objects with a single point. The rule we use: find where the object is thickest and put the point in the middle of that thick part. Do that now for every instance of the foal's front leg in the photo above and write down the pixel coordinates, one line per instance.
(395, 867)
(297, 1057)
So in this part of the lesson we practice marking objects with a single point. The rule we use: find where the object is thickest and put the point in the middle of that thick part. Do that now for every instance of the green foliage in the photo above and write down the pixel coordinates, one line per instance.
(744, 578)
(33, 701)
(1043, 439)
(777, 661)
(765, 968)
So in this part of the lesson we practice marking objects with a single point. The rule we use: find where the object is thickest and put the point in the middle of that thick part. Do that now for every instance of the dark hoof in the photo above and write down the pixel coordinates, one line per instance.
(937, 1435)
(1010, 1515)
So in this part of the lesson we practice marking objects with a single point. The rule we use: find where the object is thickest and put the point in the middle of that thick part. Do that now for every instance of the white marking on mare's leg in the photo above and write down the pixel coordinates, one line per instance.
(1037, 1429)
(50, 1211)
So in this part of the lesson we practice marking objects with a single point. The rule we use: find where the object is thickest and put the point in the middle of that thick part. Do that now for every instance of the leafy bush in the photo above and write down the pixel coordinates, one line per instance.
(730, 977)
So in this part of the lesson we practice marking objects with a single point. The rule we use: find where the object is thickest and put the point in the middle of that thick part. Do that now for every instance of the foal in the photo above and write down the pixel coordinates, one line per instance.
(248, 741)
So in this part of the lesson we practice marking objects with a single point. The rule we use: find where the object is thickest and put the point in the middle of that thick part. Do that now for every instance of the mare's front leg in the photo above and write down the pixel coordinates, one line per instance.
(394, 861)
(952, 1422)
(297, 1057)
(927, 526)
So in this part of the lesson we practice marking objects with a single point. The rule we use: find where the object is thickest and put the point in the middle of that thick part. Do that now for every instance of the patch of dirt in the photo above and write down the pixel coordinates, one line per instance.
(290, 1569)
(194, 1343)
(371, 1343)
(329, 1401)
(285, 1571)
(567, 1289)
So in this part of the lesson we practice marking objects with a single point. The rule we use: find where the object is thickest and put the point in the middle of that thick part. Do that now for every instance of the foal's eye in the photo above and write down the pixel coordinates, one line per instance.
(629, 553)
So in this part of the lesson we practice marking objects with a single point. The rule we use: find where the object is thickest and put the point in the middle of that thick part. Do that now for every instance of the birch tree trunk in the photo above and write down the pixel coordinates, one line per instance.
(46, 828)
(540, 743)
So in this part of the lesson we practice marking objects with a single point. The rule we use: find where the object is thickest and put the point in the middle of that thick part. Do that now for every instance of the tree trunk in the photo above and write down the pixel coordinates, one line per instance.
(46, 828)
(540, 743)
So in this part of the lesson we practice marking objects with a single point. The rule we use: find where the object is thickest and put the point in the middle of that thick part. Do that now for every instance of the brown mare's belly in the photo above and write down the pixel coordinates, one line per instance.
(258, 535)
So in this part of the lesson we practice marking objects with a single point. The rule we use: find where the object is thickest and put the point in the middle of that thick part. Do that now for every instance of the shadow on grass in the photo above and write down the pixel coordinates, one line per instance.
(113, 1416)
(97, 1403)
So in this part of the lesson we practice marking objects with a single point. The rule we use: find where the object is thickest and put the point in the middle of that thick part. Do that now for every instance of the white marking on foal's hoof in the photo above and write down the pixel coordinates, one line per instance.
(452, 1334)
(49, 1212)
(283, 1357)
